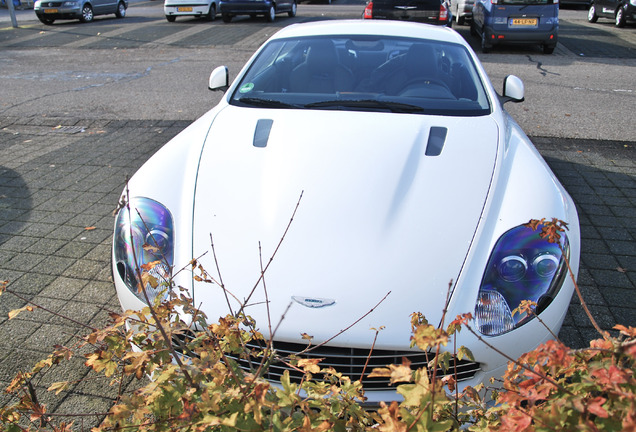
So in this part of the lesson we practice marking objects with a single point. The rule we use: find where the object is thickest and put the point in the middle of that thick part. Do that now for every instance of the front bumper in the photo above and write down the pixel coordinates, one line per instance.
(59, 12)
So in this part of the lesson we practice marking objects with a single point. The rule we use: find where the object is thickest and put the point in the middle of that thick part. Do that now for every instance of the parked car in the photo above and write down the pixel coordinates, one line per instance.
(412, 175)
(424, 11)
(48, 11)
(516, 22)
(621, 11)
(198, 8)
(461, 10)
(268, 8)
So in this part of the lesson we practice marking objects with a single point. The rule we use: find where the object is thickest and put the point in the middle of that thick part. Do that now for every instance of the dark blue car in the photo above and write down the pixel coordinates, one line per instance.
(268, 8)
(516, 22)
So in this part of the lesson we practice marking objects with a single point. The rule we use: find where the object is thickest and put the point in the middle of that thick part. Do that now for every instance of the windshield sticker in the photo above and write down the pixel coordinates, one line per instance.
(246, 88)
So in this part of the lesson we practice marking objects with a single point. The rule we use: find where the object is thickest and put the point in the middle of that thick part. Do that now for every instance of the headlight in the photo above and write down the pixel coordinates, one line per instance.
(144, 234)
(522, 266)
(70, 4)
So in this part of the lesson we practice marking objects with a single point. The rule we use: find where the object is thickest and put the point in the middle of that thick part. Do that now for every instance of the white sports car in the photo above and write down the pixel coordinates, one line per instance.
(412, 177)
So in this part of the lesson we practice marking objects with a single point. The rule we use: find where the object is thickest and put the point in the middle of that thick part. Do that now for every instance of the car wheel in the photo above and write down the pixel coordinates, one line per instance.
(226, 18)
(121, 10)
(620, 17)
(548, 49)
(45, 20)
(591, 14)
(292, 12)
(171, 18)
(87, 13)
(271, 14)
(211, 13)
(485, 46)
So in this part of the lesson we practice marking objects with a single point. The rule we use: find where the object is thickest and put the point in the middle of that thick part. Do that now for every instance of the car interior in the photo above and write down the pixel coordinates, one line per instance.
(366, 73)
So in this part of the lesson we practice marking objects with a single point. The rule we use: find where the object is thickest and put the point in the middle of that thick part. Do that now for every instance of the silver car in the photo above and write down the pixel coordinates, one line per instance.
(462, 9)
(48, 11)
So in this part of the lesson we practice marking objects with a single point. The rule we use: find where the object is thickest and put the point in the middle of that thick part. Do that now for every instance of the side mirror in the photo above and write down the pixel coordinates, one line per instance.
(219, 79)
(513, 89)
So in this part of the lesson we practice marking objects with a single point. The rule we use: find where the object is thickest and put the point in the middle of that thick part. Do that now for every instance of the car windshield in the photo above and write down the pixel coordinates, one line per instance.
(364, 73)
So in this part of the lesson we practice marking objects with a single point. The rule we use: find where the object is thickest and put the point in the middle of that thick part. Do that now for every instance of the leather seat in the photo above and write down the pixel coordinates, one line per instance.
(321, 72)
(419, 63)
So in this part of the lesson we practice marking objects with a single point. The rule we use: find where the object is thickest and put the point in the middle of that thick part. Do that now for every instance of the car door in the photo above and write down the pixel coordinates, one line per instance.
(101, 7)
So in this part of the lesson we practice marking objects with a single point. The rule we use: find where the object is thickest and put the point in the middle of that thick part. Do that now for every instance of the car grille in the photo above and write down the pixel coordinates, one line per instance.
(351, 362)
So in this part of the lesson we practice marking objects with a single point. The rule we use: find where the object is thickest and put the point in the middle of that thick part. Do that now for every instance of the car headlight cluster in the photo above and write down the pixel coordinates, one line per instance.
(522, 266)
(144, 234)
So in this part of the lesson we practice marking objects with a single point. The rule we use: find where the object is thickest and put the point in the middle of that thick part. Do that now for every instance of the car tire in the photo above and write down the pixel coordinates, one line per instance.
(591, 14)
(171, 18)
(121, 10)
(45, 20)
(473, 29)
(226, 18)
(211, 16)
(485, 46)
(292, 12)
(87, 13)
(620, 18)
(548, 49)
(271, 14)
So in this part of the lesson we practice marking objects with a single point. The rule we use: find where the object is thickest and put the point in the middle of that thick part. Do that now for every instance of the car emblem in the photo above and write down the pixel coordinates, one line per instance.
(312, 302)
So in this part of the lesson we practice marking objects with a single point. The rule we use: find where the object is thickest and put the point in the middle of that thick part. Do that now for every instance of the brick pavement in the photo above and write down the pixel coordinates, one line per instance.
(60, 180)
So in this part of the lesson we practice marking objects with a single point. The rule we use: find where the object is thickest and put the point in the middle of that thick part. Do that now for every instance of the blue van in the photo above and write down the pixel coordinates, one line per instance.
(516, 22)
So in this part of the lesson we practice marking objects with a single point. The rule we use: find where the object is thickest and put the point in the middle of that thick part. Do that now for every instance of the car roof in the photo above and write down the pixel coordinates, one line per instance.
(371, 27)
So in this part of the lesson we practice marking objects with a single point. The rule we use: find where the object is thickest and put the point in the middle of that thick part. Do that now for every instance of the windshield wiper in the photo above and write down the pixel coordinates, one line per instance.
(396, 107)
(267, 103)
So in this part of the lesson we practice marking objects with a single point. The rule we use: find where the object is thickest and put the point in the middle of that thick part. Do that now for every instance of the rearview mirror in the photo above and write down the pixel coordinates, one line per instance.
(513, 89)
(219, 79)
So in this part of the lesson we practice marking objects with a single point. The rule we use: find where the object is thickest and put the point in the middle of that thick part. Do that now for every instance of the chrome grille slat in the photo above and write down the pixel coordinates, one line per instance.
(349, 361)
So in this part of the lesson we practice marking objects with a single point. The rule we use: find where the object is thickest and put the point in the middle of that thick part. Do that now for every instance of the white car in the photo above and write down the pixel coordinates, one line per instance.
(412, 177)
(198, 8)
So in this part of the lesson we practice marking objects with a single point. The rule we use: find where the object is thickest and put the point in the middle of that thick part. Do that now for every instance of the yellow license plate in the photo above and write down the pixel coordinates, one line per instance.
(184, 9)
(50, 10)
(530, 22)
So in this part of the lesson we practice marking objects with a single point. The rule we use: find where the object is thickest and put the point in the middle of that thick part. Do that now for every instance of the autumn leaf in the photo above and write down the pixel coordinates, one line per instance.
(15, 312)
(150, 265)
(595, 407)
(151, 249)
(59, 387)
(90, 228)
(627, 331)
(310, 365)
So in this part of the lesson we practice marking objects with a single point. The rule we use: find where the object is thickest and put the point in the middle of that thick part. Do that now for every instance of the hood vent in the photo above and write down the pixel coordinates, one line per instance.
(261, 133)
(436, 140)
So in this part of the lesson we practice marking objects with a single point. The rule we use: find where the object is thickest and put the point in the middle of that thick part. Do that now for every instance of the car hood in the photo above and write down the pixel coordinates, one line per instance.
(374, 214)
